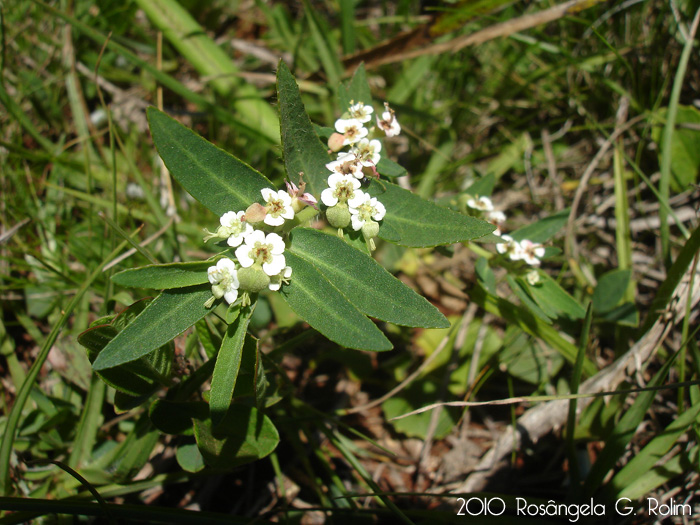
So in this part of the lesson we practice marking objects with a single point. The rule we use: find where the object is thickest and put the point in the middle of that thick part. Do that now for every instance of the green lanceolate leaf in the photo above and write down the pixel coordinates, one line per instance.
(640, 465)
(319, 303)
(214, 177)
(368, 286)
(482, 187)
(166, 317)
(355, 90)
(544, 229)
(419, 223)
(610, 290)
(303, 151)
(138, 379)
(389, 168)
(553, 299)
(228, 363)
(244, 436)
(164, 276)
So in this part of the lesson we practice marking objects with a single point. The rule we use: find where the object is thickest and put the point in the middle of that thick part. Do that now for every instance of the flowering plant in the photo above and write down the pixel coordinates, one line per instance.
(328, 278)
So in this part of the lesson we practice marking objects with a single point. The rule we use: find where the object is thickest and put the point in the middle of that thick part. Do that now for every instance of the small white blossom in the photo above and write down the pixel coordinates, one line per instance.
(367, 152)
(264, 250)
(343, 188)
(224, 280)
(510, 248)
(496, 217)
(364, 210)
(481, 204)
(532, 277)
(233, 228)
(352, 129)
(276, 281)
(236, 228)
(531, 252)
(361, 112)
(278, 208)
(388, 122)
(346, 164)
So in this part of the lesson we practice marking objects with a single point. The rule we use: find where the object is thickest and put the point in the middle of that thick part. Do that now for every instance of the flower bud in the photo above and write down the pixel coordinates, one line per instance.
(255, 213)
(335, 142)
(338, 216)
(253, 279)
(370, 229)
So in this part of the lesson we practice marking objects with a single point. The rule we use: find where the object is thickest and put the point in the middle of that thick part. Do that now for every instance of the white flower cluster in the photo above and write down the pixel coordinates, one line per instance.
(523, 250)
(347, 204)
(260, 255)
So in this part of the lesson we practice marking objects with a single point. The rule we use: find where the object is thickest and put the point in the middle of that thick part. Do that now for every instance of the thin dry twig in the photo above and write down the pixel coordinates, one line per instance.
(490, 33)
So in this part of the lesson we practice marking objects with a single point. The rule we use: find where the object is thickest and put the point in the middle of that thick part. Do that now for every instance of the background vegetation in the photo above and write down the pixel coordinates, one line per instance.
(587, 117)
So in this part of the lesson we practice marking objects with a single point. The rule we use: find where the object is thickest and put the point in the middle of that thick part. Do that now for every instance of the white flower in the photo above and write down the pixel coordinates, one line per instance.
(262, 250)
(224, 280)
(352, 129)
(343, 188)
(496, 217)
(510, 248)
(346, 164)
(532, 277)
(234, 227)
(367, 152)
(481, 204)
(388, 122)
(531, 252)
(278, 208)
(364, 210)
(360, 112)
(277, 280)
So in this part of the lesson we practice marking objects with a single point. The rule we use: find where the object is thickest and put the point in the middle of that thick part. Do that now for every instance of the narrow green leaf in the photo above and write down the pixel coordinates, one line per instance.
(228, 363)
(482, 187)
(214, 177)
(530, 324)
(355, 90)
(681, 463)
(553, 299)
(623, 432)
(188, 455)
(673, 277)
(166, 317)
(164, 276)
(364, 282)
(610, 290)
(325, 44)
(347, 25)
(327, 310)
(485, 275)
(389, 168)
(571, 417)
(520, 289)
(244, 436)
(542, 230)
(684, 146)
(420, 223)
(644, 460)
(303, 151)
